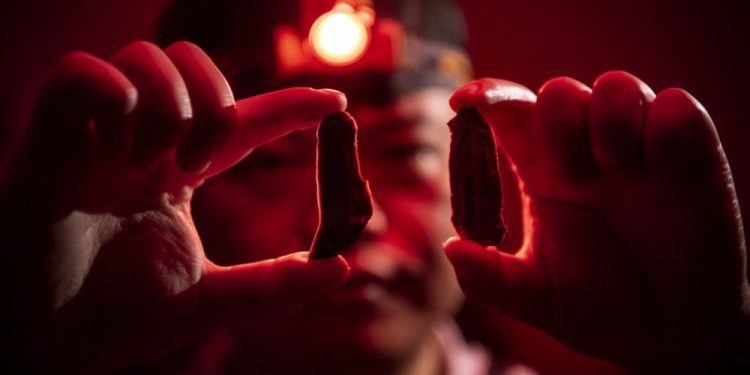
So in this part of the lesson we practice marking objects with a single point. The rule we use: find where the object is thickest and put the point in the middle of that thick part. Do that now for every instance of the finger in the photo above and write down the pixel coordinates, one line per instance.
(263, 118)
(82, 87)
(214, 112)
(617, 113)
(681, 142)
(560, 131)
(164, 109)
(513, 285)
(266, 289)
(508, 107)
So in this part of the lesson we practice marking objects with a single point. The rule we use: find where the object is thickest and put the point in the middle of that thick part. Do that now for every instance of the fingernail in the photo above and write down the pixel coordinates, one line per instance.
(340, 96)
(450, 241)
(331, 91)
(335, 269)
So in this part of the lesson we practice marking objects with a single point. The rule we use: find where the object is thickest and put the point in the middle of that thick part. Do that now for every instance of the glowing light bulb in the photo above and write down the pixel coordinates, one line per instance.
(339, 37)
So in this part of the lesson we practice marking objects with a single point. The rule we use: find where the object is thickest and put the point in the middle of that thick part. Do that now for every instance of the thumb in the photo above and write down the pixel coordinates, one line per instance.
(511, 284)
(255, 291)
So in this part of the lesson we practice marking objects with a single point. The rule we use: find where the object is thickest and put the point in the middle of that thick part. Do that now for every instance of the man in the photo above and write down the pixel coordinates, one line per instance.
(401, 286)
(617, 236)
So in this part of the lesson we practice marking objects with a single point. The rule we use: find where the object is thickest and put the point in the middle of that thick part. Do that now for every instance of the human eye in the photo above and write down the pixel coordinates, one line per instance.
(267, 162)
(272, 174)
(409, 164)
(407, 152)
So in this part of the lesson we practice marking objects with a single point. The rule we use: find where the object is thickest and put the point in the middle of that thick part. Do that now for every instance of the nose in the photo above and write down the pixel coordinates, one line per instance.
(377, 225)
(370, 252)
(374, 259)
(379, 251)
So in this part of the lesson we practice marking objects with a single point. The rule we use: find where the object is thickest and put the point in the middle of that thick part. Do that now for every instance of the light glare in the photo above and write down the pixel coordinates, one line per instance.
(339, 37)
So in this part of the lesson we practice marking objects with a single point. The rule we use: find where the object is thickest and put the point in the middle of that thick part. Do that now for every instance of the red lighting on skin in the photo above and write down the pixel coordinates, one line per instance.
(341, 36)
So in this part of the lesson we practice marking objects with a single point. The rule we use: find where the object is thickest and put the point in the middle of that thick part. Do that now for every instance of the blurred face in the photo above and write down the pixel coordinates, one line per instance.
(266, 206)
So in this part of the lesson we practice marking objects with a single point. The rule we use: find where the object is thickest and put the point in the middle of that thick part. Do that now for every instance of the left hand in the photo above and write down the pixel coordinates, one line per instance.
(634, 251)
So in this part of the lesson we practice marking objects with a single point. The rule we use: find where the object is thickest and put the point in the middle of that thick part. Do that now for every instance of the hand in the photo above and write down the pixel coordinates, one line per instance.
(634, 251)
(105, 267)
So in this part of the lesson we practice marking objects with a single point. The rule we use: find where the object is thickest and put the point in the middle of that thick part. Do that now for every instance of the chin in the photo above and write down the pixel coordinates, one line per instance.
(341, 337)
(366, 335)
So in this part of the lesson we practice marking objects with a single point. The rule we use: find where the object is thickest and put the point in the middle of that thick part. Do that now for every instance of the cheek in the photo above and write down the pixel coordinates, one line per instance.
(400, 333)
(430, 220)
(443, 291)
(441, 208)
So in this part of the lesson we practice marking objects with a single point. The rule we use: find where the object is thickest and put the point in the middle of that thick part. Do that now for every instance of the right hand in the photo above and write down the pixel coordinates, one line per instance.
(104, 267)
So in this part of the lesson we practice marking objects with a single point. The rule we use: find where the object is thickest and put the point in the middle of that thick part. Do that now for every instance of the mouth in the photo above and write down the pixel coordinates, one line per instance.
(363, 293)
(379, 283)
(371, 295)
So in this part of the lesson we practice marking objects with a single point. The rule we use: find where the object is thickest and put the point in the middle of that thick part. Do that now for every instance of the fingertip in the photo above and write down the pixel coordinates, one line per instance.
(466, 255)
(455, 242)
(681, 141)
(676, 114)
(113, 91)
(676, 104)
(478, 270)
(315, 274)
(621, 78)
(485, 92)
(83, 87)
(566, 85)
(184, 45)
(337, 268)
(560, 134)
(450, 241)
(466, 96)
(340, 101)
(200, 72)
(616, 113)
